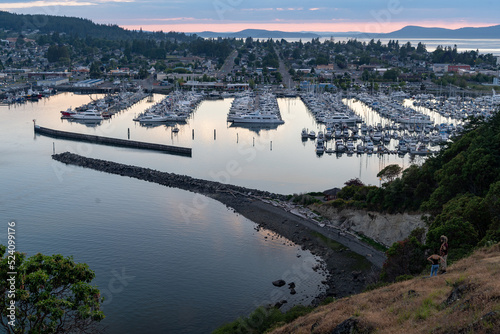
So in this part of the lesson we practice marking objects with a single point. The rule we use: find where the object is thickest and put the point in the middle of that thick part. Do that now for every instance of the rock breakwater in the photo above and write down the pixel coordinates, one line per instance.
(172, 180)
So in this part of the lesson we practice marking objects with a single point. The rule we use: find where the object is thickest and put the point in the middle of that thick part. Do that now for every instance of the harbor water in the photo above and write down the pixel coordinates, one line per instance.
(168, 260)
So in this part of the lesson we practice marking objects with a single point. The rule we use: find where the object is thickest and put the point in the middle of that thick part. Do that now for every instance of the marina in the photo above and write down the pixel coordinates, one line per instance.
(260, 109)
(215, 142)
(397, 124)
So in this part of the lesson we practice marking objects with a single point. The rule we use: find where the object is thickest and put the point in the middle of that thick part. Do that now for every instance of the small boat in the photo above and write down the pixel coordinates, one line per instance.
(369, 146)
(151, 117)
(257, 118)
(350, 146)
(68, 112)
(320, 146)
(377, 136)
(89, 114)
(420, 150)
(339, 146)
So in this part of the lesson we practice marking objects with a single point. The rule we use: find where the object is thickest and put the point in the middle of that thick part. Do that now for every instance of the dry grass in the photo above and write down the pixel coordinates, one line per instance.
(419, 305)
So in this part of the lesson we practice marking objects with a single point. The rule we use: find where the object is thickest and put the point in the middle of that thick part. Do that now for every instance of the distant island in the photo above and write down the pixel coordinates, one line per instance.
(492, 32)
(258, 33)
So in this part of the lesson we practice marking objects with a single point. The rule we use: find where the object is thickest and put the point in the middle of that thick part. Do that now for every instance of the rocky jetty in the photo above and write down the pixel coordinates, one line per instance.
(172, 180)
(344, 272)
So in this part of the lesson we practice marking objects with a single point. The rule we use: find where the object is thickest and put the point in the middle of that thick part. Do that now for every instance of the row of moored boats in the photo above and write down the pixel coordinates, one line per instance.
(250, 108)
(98, 110)
(175, 107)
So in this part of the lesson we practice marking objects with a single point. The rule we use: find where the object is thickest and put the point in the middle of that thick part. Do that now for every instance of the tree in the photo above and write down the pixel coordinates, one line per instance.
(20, 41)
(421, 48)
(52, 294)
(95, 70)
(354, 182)
(391, 75)
(390, 172)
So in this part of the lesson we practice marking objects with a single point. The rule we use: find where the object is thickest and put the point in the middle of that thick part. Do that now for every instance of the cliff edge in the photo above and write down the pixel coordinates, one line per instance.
(464, 300)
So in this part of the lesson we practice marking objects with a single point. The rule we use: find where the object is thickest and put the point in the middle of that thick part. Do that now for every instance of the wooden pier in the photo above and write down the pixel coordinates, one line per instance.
(177, 150)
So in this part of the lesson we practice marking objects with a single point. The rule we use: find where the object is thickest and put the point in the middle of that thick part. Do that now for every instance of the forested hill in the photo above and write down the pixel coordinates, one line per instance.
(73, 26)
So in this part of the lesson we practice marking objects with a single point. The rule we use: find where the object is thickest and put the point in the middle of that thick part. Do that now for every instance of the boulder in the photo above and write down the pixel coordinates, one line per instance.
(279, 283)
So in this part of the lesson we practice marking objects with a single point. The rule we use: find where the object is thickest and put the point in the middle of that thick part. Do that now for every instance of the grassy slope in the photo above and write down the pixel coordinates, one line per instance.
(396, 309)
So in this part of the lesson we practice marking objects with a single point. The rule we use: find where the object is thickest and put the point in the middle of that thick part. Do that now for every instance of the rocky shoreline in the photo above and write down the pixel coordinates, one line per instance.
(346, 269)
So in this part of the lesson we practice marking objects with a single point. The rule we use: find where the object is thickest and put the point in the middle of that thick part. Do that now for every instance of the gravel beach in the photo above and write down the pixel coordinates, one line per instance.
(349, 265)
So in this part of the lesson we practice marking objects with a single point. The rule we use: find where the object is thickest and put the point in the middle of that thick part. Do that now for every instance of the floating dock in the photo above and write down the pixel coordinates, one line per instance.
(177, 150)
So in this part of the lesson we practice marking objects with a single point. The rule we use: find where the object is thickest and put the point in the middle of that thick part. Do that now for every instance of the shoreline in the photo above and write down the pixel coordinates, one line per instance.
(348, 271)
(348, 266)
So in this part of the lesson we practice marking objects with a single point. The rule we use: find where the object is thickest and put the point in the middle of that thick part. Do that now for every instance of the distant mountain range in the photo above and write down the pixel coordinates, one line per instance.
(84, 27)
(492, 32)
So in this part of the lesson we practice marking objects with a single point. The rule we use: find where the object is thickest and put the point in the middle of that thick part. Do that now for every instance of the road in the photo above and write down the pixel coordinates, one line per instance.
(287, 78)
(227, 66)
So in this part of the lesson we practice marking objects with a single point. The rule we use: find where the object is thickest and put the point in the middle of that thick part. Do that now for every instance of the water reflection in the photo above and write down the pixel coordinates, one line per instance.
(91, 123)
(255, 128)
(271, 158)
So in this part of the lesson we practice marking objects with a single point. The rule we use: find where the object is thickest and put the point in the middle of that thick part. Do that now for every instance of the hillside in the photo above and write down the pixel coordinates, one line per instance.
(73, 26)
(465, 300)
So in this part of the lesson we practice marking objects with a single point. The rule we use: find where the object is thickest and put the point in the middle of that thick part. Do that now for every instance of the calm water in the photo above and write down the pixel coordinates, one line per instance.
(274, 159)
(167, 260)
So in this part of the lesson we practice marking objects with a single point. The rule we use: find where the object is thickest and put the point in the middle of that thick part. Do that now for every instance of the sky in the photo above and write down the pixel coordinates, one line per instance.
(375, 16)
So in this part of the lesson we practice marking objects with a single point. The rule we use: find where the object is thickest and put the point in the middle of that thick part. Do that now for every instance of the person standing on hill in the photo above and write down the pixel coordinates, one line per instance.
(443, 252)
(434, 259)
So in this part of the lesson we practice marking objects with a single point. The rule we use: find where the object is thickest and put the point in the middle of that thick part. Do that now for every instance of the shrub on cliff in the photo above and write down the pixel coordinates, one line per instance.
(263, 319)
(406, 257)
(304, 199)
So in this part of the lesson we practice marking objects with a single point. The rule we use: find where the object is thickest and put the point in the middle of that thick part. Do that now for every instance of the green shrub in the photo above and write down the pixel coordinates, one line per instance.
(403, 278)
(262, 320)
(338, 203)
(375, 286)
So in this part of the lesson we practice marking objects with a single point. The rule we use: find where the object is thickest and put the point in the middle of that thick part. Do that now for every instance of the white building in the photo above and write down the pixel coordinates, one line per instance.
(89, 83)
(440, 68)
(52, 82)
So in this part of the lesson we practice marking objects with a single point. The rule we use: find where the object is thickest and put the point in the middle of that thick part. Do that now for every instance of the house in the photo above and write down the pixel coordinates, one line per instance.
(331, 194)
(457, 68)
